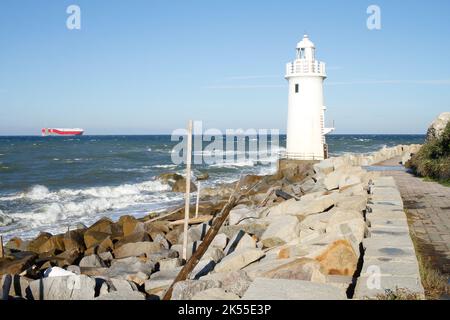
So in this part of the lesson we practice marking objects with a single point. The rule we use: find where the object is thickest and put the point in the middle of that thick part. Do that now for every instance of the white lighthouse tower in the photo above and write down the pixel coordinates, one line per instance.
(305, 127)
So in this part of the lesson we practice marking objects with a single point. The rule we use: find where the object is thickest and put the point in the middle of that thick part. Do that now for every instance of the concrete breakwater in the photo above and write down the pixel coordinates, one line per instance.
(342, 234)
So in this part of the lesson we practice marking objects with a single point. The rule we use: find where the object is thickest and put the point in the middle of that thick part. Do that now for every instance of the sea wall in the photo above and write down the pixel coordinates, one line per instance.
(335, 231)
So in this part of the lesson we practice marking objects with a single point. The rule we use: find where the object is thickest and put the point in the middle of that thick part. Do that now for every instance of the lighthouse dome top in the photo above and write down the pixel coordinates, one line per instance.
(305, 43)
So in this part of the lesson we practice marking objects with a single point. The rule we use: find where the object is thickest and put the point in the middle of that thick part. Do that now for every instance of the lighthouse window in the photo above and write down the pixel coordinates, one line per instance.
(296, 88)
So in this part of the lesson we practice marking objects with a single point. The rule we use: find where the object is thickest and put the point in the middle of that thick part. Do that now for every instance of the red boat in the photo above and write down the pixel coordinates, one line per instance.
(61, 132)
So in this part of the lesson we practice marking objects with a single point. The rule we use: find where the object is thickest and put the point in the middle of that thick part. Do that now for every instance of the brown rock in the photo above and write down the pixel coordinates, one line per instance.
(93, 238)
(74, 240)
(180, 186)
(128, 224)
(16, 264)
(140, 236)
(35, 244)
(339, 258)
(137, 249)
(55, 243)
(104, 225)
(17, 244)
(172, 236)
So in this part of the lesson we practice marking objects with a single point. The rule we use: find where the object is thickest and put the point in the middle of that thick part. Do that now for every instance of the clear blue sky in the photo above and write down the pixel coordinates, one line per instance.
(149, 66)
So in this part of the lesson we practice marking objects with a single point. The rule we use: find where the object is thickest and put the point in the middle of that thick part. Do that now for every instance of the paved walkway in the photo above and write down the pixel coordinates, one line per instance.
(428, 208)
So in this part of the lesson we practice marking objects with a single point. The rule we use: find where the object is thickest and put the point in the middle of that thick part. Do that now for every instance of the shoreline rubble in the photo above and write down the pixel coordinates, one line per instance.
(341, 223)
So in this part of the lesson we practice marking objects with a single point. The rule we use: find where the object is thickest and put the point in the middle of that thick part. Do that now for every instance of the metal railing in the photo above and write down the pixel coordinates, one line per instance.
(299, 156)
(302, 66)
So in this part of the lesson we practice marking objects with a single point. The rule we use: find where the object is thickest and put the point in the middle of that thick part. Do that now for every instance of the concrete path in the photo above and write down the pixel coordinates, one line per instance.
(428, 208)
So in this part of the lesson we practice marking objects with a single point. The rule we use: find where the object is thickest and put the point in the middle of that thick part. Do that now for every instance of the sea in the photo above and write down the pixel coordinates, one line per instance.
(52, 183)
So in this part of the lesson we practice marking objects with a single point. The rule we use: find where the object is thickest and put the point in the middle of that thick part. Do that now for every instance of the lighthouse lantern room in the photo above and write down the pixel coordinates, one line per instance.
(305, 127)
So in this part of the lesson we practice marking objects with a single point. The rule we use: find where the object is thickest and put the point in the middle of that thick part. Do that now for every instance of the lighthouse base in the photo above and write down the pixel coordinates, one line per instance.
(295, 170)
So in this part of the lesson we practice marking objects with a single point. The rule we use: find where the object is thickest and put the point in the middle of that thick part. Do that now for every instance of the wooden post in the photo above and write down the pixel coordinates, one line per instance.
(188, 190)
(198, 198)
(2, 254)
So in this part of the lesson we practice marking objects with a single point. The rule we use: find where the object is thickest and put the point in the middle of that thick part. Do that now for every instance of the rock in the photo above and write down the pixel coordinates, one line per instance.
(74, 287)
(281, 231)
(74, 240)
(173, 235)
(191, 248)
(171, 263)
(240, 240)
(66, 258)
(203, 267)
(241, 213)
(92, 261)
(93, 238)
(122, 268)
(106, 256)
(35, 244)
(180, 186)
(437, 126)
(103, 247)
(139, 236)
(282, 289)
(17, 264)
(170, 178)
(162, 241)
(348, 224)
(356, 202)
(195, 233)
(299, 269)
(118, 295)
(136, 249)
(74, 269)
(324, 167)
(219, 241)
(238, 259)
(138, 278)
(130, 225)
(163, 254)
(316, 222)
(17, 244)
(185, 290)
(309, 206)
(104, 225)
(215, 294)
(214, 254)
(157, 288)
(339, 258)
(236, 282)
(257, 228)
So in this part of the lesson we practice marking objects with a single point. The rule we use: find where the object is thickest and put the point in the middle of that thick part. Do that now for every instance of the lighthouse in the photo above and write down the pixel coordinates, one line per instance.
(305, 126)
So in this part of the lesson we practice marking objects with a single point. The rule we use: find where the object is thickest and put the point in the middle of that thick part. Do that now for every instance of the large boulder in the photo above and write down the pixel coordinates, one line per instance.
(17, 264)
(92, 261)
(238, 259)
(299, 269)
(240, 240)
(281, 231)
(185, 290)
(124, 268)
(137, 249)
(75, 287)
(339, 258)
(283, 289)
(74, 240)
(241, 214)
(437, 126)
(236, 282)
(176, 182)
(36, 243)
